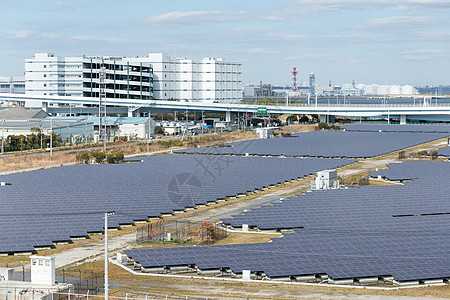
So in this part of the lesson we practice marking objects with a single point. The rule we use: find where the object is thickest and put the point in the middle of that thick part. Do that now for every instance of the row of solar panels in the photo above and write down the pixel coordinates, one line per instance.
(52, 205)
(351, 233)
(348, 144)
(444, 151)
(398, 128)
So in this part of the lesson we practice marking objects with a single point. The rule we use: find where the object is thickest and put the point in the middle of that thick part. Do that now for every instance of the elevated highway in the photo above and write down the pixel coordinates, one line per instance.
(423, 110)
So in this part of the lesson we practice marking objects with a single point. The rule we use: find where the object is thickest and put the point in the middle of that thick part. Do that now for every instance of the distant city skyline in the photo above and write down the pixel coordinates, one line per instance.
(384, 42)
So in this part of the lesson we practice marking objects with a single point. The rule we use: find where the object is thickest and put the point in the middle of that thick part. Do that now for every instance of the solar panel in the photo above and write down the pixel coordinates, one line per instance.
(342, 144)
(398, 128)
(371, 231)
(55, 205)
(444, 151)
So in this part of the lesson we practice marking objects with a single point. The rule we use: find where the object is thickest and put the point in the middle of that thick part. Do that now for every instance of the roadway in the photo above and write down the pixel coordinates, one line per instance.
(419, 109)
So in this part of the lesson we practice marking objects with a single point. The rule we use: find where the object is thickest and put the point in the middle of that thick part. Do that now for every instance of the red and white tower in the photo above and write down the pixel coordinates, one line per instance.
(294, 86)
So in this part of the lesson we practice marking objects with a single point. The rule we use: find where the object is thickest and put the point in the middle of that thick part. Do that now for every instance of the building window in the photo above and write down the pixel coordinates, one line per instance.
(45, 66)
(45, 75)
(45, 84)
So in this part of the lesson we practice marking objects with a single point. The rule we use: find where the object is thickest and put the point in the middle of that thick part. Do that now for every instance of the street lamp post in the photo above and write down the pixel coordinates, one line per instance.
(3, 138)
(51, 138)
(149, 133)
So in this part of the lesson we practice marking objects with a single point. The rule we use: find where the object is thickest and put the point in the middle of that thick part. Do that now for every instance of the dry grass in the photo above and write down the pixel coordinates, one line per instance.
(199, 286)
(380, 183)
(247, 238)
(297, 128)
(37, 159)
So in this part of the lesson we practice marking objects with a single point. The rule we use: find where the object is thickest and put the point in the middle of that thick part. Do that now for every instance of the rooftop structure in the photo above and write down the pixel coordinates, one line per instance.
(8, 113)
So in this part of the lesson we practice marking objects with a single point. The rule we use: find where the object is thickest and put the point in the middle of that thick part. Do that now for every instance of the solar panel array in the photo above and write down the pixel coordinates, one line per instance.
(444, 151)
(325, 144)
(395, 230)
(398, 128)
(55, 205)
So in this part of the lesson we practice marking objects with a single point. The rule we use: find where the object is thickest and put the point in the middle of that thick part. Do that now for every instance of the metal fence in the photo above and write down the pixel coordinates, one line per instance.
(181, 232)
(121, 294)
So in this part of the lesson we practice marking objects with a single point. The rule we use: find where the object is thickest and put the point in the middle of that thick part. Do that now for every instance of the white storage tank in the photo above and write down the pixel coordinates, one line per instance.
(370, 89)
(395, 90)
(408, 90)
(383, 90)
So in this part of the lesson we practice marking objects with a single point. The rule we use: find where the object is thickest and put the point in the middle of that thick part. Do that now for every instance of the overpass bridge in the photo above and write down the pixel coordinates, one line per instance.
(423, 110)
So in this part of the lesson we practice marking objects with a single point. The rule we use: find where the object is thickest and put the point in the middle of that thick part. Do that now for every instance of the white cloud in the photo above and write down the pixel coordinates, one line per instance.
(183, 18)
(333, 5)
(20, 34)
(65, 4)
(423, 54)
(31, 34)
(399, 22)
(94, 38)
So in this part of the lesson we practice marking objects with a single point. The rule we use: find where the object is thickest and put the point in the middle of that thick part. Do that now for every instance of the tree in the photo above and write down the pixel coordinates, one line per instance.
(323, 125)
(115, 157)
(99, 156)
(291, 119)
(85, 157)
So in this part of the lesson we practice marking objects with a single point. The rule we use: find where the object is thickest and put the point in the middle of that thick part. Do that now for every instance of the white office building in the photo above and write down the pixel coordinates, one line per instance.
(46, 74)
(156, 76)
(205, 80)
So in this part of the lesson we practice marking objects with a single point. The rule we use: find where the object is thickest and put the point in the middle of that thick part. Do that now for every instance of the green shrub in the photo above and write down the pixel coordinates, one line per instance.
(323, 125)
(114, 157)
(85, 157)
(159, 130)
(99, 156)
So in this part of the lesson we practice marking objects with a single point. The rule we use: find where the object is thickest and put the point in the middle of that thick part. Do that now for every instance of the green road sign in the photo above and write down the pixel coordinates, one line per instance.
(262, 110)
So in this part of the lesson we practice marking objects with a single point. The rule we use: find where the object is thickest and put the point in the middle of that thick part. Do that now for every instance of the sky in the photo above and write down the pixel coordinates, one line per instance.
(382, 41)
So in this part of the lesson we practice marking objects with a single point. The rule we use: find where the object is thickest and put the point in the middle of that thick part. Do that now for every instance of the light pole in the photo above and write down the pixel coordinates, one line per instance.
(202, 121)
(51, 138)
(41, 133)
(102, 107)
(3, 138)
(149, 133)
(106, 256)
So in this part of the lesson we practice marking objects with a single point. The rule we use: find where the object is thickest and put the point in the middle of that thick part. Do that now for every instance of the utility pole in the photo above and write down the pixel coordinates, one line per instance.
(106, 257)
(149, 133)
(102, 108)
(3, 138)
(51, 138)
(41, 132)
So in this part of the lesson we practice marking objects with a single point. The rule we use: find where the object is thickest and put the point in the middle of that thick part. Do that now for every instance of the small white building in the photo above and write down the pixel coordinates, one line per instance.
(266, 132)
(326, 179)
(42, 270)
